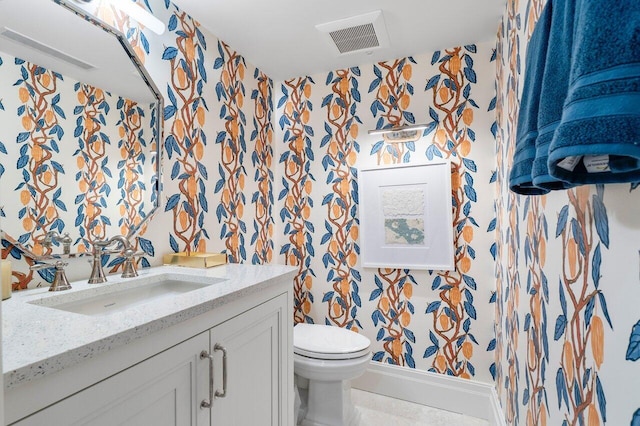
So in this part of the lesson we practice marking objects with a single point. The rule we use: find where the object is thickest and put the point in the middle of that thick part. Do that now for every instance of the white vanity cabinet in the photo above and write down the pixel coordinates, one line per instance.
(159, 391)
(255, 367)
(167, 377)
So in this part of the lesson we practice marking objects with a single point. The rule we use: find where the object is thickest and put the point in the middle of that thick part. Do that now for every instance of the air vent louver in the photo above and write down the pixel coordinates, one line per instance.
(34, 44)
(355, 38)
(358, 33)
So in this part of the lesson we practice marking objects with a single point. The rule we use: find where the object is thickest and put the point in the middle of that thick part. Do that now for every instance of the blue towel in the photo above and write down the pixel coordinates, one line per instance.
(601, 117)
(555, 84)
(520, 179)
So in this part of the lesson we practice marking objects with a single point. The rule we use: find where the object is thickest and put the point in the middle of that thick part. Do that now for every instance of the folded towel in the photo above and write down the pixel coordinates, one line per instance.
(555, 84)
(601, 118)
(520, 179)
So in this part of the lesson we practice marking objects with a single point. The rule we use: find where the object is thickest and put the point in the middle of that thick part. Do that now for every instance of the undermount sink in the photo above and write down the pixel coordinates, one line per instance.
(109, 299)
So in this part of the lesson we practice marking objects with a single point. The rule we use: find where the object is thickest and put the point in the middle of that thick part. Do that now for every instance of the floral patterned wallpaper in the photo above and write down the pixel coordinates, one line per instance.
(432, 320)
(567, 278)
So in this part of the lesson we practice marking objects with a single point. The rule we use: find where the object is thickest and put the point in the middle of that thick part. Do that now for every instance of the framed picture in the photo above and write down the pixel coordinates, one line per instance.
(406, 216)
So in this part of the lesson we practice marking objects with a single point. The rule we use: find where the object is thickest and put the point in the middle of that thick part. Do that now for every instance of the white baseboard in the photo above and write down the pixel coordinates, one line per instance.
(468, 397)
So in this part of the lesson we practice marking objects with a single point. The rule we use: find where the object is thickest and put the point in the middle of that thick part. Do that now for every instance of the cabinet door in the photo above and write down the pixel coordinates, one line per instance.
(254, 347)
(163, 390)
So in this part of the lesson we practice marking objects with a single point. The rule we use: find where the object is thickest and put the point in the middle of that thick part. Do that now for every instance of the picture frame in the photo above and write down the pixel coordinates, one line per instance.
(406, 216)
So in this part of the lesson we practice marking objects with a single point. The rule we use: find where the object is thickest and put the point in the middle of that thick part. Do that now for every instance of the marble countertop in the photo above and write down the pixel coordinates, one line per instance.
(39, 340)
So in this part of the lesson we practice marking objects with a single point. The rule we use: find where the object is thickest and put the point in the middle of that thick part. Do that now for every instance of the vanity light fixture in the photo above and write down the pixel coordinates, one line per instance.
(406, 133)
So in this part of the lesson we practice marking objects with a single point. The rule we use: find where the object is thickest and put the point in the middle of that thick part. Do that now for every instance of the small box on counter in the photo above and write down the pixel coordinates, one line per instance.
(195, 259)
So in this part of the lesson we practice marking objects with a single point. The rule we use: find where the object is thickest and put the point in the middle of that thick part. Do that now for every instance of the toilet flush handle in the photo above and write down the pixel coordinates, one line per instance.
(219, 347)
(206, 403)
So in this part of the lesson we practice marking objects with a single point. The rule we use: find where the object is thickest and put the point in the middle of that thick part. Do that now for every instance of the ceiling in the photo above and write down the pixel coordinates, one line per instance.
(280, 38)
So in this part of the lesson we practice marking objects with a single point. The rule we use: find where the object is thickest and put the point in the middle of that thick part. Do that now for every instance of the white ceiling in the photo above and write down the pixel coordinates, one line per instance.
(280, 38)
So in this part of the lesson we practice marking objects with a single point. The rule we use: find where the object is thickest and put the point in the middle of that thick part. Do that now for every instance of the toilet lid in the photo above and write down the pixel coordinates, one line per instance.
(327, 342)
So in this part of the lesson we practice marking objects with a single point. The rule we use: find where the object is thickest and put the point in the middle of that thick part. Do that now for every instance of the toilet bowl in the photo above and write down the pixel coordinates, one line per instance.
(325, 359)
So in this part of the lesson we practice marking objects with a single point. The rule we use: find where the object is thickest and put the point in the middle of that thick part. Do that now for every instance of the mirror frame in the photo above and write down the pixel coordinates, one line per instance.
(157, 130)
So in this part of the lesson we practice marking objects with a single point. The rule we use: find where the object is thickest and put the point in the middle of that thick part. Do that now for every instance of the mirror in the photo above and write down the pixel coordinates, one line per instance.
(81, 121)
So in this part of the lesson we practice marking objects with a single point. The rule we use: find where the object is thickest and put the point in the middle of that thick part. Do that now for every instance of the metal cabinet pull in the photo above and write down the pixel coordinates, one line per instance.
(206, 403)
(219, 347)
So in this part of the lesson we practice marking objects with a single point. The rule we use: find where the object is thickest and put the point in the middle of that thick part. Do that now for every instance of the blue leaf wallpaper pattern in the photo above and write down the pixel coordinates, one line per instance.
(633, 351)
(559, 356)
(321, 136)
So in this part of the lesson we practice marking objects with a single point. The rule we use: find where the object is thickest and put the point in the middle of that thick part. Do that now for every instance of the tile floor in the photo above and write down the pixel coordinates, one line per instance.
(378, 410)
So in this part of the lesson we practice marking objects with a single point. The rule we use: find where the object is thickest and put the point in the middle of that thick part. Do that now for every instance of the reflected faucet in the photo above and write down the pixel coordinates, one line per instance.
(124, 243)
(99, 248)
(53, 236)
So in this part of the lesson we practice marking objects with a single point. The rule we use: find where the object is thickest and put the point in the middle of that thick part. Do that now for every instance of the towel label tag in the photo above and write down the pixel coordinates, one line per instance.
(570, 163)
(596, 163)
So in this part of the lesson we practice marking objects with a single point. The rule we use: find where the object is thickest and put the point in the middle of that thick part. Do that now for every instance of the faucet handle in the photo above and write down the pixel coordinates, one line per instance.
(101, 245)
(60, 281)
(129, 267)
(45, 265)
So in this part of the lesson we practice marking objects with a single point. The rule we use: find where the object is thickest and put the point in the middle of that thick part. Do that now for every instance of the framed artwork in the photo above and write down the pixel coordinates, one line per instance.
(406, 216)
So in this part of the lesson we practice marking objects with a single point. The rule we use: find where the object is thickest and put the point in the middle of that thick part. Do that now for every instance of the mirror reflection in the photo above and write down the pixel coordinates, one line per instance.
(78, 141)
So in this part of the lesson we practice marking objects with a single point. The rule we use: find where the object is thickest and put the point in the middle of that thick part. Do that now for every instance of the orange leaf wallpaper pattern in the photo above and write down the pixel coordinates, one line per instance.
(508, 207)
(262, 160)
(40, 193)
(453, 121)
(92, 159)
(393, 98)
(298, 185)
(132, 152)
(230, 89)
(39, 139)
(559, 347)
(393, 315)
(341, 222)
(186, 140)
(393, 92)
(535, 321)
(583, 305)
(392, 307)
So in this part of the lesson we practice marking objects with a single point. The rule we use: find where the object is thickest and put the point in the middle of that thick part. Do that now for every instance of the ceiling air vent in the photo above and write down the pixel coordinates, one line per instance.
(355, 38)
(358, 33)
(43, 48)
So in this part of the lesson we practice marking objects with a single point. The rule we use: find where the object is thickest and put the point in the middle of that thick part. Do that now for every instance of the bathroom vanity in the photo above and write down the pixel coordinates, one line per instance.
(175, 346)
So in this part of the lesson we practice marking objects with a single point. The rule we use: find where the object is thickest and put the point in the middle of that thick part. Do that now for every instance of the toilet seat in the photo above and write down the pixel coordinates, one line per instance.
(327, 342)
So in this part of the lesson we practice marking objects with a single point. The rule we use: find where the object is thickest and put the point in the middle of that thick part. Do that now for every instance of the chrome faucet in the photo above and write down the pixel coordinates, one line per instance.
(99, 247)
(60, 281)
(53, 236)
(97, 271)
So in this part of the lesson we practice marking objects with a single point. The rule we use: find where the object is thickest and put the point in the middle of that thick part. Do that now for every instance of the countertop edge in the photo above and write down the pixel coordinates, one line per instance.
(59, 361)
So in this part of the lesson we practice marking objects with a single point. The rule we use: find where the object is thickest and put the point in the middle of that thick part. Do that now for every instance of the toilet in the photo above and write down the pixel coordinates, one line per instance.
(325, 359)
